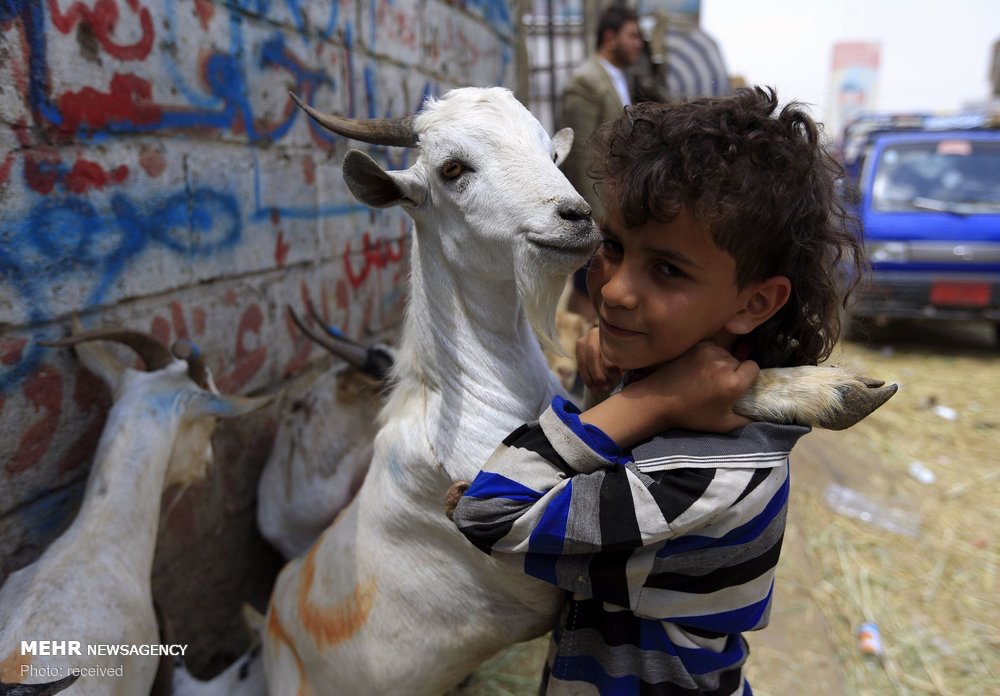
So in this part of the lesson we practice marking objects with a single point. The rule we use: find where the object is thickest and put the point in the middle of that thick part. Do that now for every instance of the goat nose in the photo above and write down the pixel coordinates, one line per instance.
(572, 211)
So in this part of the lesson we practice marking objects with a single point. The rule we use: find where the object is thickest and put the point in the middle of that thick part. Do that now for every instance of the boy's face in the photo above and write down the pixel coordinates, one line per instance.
(661, 288)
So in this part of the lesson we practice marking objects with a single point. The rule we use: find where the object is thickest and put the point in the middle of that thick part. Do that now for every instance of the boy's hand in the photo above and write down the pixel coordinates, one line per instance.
(696, 391)
(597, 374)
(454, 494)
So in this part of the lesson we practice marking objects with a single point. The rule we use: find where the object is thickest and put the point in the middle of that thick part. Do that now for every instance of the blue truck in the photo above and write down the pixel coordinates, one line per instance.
(928, 199)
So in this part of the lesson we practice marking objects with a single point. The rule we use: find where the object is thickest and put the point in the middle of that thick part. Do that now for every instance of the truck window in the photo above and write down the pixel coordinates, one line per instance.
(951, 174)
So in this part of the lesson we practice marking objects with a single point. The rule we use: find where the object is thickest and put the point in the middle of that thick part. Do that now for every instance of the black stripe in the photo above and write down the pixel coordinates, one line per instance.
(759, 475)
(615, 627)
(619, 537)
(532, 438)
(518, 433)
(619, 526)
(678, 489)
(485, 535)
(729, 681)
(720, 578)
(701, 632)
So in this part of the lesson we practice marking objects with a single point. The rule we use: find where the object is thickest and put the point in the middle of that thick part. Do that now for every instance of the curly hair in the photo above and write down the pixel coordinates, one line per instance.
(763, 184)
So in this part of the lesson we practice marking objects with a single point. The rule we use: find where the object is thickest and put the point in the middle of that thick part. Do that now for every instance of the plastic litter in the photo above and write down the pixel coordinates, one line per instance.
(850, 503)
(870, 640)
(946, 412)
(919, 471)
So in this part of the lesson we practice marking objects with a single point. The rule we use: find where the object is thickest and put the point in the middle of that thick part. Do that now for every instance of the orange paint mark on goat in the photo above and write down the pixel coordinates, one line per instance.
(10, 668)
(276, 629)
(331, 625)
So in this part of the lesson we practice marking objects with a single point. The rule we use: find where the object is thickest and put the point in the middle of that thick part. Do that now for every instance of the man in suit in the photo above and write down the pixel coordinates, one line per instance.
(596, 93)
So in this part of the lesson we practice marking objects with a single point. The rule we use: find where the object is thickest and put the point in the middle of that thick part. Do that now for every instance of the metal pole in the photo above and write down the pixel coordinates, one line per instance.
(554, 95)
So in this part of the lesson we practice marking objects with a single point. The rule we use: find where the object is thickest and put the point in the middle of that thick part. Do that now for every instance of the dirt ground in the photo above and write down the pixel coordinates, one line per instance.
(930, 585)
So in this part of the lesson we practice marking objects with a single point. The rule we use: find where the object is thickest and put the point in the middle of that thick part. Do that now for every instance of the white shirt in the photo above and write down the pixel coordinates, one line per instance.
(617, 79)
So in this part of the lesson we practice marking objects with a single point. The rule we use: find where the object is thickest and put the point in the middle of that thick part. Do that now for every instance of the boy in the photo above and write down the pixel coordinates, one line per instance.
(660, 509)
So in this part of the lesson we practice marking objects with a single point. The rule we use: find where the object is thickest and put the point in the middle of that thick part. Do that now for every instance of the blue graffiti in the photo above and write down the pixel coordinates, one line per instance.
(68, 237)
(227, 103)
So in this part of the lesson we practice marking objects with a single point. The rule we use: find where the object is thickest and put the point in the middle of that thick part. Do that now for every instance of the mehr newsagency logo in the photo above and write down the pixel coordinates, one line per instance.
(75, 648)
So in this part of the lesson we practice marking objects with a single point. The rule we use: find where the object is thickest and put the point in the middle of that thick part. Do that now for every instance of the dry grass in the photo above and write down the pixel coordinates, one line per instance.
(935, 596)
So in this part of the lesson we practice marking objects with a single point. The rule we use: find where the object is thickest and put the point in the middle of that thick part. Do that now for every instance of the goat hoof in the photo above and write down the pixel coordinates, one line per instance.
(454, 494)
(857, 403)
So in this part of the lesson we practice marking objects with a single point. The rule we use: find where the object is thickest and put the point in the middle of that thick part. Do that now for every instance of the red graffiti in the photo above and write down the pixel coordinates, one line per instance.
(378, 255)
(43, 390)
(91, 397)
(11, 351)
(248, 361)
(40, 170)
(8, 163)
(281, 250)
(161, 330)
(86, 174)
(130, 99)
(152, 161)
(103, 20)
(303, 344)
(180, 323)
(309, 170)
(199, 321)
(205, 11)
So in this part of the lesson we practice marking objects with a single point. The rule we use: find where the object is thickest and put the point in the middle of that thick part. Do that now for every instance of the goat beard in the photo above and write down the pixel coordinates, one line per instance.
(539, 295)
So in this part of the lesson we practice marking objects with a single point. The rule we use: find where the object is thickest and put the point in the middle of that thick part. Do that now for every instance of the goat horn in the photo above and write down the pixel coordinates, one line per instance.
(153, 353)
(856, 404)
(378, 131)
(185, 350)
(378, 361)
(347, 349)
(46, 689)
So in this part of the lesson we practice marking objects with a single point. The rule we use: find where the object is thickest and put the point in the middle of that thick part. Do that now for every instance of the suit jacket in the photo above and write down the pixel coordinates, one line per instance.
(589, 99)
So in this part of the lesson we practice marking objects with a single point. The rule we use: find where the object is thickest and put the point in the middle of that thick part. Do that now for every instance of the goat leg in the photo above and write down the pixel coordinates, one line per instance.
(830, 397)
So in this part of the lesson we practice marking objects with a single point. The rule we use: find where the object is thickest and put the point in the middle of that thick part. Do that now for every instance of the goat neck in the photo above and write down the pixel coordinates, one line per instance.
(476, 355)
(127, 478)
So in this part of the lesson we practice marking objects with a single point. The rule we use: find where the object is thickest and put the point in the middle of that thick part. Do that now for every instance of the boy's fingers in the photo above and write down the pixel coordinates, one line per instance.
(454, 494)
(746, 373)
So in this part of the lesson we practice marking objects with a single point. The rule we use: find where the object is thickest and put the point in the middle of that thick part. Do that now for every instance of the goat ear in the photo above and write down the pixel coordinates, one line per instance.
(376, 187)
(562, 143)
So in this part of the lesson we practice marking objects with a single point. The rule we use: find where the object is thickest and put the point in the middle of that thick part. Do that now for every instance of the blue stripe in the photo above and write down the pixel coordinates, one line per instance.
(548, 537)
(490, 485)
(592, 436)
(701, 661)
(743, 619)
(740, 535)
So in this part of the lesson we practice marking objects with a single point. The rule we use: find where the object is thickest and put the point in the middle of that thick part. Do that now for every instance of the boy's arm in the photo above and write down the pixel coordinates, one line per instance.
(560, 502)
(696, 392)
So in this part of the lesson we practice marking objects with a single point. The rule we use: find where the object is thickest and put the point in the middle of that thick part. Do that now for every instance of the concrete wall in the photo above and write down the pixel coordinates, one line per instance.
(154, 173)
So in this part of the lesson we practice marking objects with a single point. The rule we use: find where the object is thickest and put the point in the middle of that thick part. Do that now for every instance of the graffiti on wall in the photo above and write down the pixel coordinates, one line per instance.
(154, 170)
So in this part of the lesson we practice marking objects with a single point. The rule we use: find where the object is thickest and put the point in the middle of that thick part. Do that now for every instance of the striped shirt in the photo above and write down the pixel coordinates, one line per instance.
(668, 551)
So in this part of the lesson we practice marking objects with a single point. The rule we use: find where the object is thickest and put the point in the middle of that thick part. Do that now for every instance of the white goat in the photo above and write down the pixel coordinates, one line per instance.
(92, 584)
(323, 446)
(392, 599)
(245, 677)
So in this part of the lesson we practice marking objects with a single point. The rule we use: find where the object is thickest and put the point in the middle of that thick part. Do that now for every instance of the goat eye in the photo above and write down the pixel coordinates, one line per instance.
(452, 169)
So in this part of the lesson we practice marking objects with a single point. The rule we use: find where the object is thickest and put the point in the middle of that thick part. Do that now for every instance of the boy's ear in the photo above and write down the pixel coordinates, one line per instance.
(762, 301)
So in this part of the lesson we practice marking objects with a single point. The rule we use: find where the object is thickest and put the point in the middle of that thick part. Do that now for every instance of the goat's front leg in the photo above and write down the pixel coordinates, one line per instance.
(824, 397)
